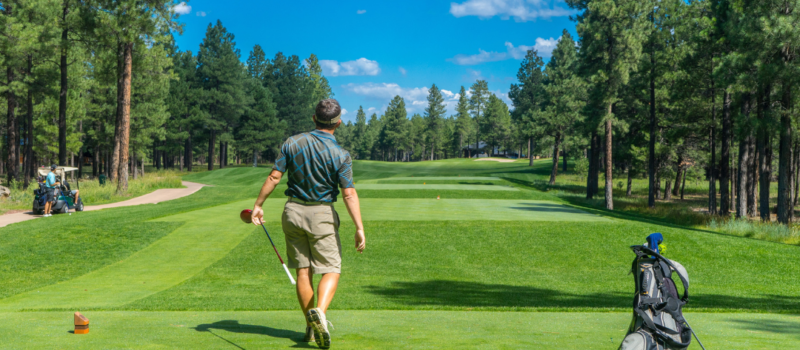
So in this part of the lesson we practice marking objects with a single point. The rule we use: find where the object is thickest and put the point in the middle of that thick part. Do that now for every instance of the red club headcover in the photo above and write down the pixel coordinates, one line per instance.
(245, 215)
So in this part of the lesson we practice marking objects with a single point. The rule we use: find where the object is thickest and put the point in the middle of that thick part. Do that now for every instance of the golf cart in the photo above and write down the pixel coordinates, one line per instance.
(64, 199)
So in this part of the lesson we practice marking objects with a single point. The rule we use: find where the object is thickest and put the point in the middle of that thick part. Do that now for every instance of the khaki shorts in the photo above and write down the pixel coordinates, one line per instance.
(312, 237)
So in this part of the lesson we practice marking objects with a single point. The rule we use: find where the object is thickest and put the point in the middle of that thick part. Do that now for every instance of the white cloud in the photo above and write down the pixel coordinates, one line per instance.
(402, 71)
(520, 10)
(416, 98)
(483, 56)
(200, 13)
(475, 74)
(344, 112)
(383, 91)
(182, 8)
(543, 46)
(361, 66)
(361, 12)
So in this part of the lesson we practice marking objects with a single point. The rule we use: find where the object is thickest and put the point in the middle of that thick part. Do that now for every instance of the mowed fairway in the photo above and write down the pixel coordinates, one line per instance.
(478, 268)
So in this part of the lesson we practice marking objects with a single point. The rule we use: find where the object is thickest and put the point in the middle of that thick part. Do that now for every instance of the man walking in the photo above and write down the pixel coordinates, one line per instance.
(316, 166)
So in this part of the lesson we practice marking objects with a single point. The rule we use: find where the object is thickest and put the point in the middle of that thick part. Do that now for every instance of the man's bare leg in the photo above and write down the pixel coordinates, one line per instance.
(327, 288)
(305, 291)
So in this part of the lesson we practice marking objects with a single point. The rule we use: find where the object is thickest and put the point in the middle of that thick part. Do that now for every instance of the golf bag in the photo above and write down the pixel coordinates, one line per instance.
(39, 199)
(658, 321)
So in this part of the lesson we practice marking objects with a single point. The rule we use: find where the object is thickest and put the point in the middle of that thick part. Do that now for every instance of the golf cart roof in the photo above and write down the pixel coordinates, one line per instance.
(59, 170)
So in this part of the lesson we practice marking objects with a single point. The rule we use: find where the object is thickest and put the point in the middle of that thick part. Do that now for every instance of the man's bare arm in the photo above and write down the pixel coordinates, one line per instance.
(269, 185)
(354, 208)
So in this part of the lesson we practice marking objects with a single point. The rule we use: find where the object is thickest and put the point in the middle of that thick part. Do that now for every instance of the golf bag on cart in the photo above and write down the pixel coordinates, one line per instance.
(658, 321)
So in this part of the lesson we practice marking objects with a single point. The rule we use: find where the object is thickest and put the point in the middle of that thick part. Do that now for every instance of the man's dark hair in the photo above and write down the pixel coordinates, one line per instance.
(327, 113)
(53, 167)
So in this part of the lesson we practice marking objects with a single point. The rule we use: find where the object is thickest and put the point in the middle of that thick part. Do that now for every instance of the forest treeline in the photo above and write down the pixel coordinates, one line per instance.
(665, 90)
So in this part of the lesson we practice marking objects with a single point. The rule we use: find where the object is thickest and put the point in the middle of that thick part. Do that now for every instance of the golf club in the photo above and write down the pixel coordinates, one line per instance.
(246, 215)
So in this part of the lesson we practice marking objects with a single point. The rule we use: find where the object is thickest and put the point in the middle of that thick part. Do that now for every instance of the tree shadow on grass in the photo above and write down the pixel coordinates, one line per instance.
(476, 294)
(772, 326)
(549, 208)
(235, 327)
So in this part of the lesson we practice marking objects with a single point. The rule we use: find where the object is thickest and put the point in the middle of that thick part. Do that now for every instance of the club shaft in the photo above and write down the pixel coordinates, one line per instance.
(273, 244)
(292, 278)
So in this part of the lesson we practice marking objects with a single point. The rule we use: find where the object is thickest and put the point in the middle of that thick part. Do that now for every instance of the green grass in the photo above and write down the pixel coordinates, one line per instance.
(377, 330)
(444, 266)
(436, 187)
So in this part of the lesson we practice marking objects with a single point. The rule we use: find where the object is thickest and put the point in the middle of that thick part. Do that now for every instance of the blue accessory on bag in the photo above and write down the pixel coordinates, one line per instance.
(654, 240)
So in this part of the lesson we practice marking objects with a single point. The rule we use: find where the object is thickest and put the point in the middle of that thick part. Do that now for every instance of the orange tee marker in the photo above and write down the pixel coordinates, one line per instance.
(81, 324)
(437, 197)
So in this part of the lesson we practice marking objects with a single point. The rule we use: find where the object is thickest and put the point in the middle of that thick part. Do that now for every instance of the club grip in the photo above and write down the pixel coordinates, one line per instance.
(288, 273)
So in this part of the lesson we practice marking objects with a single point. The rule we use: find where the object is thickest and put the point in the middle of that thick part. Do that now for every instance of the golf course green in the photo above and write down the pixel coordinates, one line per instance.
(490, 264)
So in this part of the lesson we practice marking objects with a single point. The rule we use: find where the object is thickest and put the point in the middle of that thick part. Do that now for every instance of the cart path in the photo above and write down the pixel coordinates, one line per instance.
(206, 236)
(157, 196)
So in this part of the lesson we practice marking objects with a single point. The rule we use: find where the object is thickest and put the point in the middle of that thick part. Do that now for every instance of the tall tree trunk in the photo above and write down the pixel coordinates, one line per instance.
(683, 184)
(762, 146)
(712, 173)
(744, 161)
(96, 157)
(29, 167)
(668, 190)
(629, 187)
(609, 164)
(564, 155)
(785, 208)
(62, 97)
(530, 151)
(211, 144)
(725, 156)
(113, 172)
(554, 170)
(188, 153)
(658, 186)
(753, 177)
(796, 174)
(125, 121)
(133, 164)
(12, 130)
(678, 175)
(651, 158)
(221, 154)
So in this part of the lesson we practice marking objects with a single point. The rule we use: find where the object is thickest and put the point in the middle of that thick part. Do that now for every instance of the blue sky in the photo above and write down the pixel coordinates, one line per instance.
(374, 50)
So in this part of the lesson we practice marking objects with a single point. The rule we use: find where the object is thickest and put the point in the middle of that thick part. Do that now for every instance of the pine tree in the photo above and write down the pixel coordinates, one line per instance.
(394, 125)
(434, 117)
(260, 128)
(221, 75)
(496, 123)
(477, 107)
(360, 137)
(564, 90)
(321, 88)
(528, 97)
(463, 123)
(292, 92)
(611, 43)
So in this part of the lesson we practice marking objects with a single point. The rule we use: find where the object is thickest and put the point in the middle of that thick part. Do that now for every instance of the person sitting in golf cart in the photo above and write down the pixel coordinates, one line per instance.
(54, 186)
